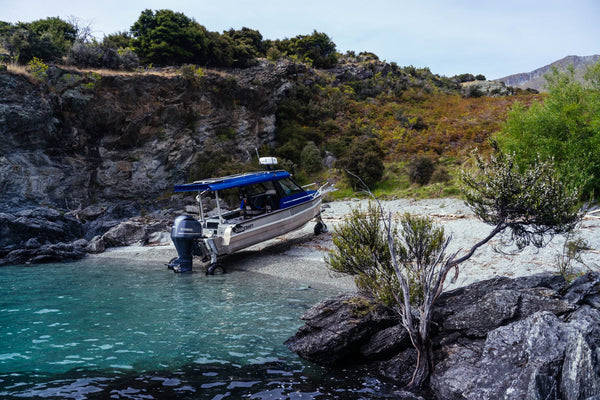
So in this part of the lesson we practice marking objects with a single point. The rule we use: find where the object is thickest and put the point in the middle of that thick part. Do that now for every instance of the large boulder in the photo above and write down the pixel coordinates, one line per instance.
(55, 252)
(337, 329)
(539, 357)
(532, 338)
(125, 234)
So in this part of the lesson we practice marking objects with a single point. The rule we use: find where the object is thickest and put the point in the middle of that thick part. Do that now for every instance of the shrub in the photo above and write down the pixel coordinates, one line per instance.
(192, 74)
(310, 158)
(564, 128)
(361, 249)
(440, 175)
(420, 170)
(362, 159)
(38, 69)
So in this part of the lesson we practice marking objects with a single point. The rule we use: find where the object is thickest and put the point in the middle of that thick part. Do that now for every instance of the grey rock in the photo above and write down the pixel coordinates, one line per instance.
(484, 306)
(580, 376)
(125, 234)
(521, 360)
(582, 288)
(490, 311)
(532, 338)
(336, 328)
(34, 227)
(96, 245)
(399, 368)
(486, 88)
(386, 343)
(453, 375)
(56, 252)
(158, 238)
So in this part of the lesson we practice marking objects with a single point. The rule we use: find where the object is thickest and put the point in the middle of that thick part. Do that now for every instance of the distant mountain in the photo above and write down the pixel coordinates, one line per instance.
(535, 79)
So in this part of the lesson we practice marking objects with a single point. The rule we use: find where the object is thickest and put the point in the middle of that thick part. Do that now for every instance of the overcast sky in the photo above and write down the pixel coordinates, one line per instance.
(494, 38)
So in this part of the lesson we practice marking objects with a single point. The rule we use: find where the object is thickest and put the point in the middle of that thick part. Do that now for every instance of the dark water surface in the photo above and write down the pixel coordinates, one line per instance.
(101, 328)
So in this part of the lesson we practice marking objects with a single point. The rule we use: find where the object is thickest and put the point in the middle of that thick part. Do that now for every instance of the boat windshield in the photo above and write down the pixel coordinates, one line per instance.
(290, 187)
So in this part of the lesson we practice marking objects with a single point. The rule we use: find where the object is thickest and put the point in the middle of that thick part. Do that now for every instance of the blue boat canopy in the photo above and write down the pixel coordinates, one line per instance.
(232, 181)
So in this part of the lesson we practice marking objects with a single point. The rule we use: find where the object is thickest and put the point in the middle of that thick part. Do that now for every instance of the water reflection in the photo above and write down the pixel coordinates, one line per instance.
(266, 381)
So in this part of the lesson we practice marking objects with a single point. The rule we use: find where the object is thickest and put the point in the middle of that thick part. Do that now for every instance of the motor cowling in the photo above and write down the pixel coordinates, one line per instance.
(185, 231)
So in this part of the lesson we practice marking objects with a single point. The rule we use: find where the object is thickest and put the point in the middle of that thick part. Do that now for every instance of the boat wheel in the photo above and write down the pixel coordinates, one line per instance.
(320, 227)
(215, 269)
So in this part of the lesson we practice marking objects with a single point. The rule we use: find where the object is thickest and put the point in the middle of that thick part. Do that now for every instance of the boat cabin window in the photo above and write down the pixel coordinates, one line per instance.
(259, 197)
(290, 187)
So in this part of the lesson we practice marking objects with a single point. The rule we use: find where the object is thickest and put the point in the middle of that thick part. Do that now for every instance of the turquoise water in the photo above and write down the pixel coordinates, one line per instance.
(109, 329)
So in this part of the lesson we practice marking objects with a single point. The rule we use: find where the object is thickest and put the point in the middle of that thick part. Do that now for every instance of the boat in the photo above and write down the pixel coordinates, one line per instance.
(271, 204)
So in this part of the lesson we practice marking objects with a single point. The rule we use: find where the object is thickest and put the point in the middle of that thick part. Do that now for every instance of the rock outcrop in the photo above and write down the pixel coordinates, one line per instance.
(100, 150)
(528, 338)
(486, 88)
(80, 138)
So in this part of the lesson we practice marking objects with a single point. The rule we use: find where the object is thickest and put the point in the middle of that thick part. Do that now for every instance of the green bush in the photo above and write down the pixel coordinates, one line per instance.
(563, 128)
(310, 158)
(362, 159)
(45, 39)
(420, 170)
(38, 69)
(361, 249)
(192, 74)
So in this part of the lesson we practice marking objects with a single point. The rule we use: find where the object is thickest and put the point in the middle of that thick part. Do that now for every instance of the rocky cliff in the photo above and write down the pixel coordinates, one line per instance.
(84, 138)
(98, 149)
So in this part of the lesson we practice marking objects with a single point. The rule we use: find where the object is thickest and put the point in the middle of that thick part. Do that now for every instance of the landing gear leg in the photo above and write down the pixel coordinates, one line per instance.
(215, 269)
(320, 227)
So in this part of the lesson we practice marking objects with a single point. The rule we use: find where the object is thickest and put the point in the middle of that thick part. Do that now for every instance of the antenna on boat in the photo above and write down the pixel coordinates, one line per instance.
(268, 162)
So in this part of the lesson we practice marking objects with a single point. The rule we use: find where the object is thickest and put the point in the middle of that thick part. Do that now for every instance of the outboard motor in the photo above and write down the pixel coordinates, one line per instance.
(184, 233)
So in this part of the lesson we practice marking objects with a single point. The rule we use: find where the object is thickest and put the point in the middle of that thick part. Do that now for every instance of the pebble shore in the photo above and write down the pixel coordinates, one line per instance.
(299, 256)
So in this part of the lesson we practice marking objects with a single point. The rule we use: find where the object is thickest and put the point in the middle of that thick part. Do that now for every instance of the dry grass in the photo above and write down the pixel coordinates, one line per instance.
(17, 69)
(167, 72)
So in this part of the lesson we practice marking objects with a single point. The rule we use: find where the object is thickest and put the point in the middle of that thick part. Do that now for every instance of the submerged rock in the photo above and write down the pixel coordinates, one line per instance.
(532, 337)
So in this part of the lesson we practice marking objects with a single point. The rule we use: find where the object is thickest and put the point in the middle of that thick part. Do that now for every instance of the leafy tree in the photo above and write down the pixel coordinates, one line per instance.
(60, 34)
(317, 49)
(117, 40)
(564, 127)
(165, 37)
(220, 50)
(524, 206)
(47, 39)
(247, 46)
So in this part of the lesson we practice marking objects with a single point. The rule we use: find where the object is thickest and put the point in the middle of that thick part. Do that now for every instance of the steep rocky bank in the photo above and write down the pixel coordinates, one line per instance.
(81, 139)
(81, 153)
(527, 338)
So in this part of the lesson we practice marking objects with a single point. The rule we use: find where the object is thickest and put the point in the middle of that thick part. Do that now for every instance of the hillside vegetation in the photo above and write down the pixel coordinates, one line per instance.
(398, 128)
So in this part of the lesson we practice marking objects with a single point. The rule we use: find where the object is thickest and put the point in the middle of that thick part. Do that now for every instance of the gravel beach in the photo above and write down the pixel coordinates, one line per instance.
(299, 256)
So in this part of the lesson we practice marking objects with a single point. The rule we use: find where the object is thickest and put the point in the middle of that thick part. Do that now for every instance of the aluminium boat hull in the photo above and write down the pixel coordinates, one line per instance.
(267, 226)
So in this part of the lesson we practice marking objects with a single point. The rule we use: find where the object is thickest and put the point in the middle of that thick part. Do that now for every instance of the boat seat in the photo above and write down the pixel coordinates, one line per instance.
(256, 205)
(249, 210)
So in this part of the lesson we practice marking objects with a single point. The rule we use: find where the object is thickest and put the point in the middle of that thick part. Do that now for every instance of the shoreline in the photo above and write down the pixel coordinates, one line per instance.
(299, 255)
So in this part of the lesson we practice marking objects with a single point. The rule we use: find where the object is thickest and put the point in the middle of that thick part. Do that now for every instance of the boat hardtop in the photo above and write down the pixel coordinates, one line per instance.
(232, 181)
(271, 204)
